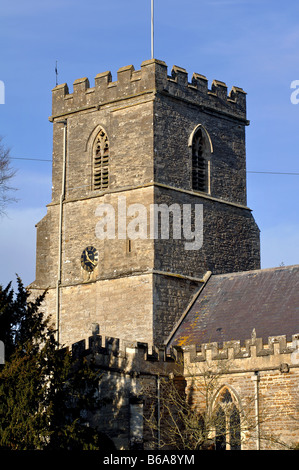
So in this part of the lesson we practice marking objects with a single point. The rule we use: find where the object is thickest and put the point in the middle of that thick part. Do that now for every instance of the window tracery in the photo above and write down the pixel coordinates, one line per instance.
(228, 422)
(101, 161)
(201, 145)
(198, 163)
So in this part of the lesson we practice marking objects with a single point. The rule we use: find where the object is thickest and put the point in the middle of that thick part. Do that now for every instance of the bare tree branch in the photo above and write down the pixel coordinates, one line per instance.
(199, 411)
(6, 174)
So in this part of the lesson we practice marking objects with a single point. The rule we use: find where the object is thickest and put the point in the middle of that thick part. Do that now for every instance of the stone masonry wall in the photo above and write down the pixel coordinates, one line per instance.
(115, 303)
(129, 130)
(79, 230)
(257, 375)
(127, 386)
(148, 117)
(130, 371)
(175, 120)
(230, 237)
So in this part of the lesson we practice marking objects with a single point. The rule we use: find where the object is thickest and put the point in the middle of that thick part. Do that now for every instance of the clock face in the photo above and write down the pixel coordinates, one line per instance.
(89, 258)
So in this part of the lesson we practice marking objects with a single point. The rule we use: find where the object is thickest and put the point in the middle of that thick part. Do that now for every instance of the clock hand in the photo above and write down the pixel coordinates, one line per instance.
(89, 259)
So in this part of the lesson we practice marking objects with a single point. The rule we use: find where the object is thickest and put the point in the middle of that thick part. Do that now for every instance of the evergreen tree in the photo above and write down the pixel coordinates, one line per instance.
(44, 390)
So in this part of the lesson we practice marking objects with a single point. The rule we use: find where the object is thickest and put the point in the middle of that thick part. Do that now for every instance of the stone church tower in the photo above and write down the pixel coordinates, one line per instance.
(129, 156)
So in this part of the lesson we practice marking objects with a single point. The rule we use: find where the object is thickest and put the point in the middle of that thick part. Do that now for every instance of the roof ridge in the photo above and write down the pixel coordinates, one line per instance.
(276, 268)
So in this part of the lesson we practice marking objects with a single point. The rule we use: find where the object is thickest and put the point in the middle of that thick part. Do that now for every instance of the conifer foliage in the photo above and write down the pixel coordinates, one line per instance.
(45, 393)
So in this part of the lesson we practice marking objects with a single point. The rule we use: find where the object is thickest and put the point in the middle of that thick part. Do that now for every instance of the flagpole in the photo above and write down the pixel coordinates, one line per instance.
(152, 30)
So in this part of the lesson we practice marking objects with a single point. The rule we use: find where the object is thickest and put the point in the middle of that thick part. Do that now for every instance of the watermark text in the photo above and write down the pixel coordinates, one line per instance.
(295, 93)
(2, 92)
(157, 221)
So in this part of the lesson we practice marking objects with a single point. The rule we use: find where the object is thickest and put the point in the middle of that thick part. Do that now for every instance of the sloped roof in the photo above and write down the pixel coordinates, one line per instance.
(230, 306)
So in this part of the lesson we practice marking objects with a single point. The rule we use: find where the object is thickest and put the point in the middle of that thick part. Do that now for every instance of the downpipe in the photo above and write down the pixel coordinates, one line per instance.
(61, 200)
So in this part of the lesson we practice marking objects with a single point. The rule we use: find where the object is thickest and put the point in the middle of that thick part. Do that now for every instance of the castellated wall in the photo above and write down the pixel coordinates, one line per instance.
(149, 117)
(130, 371)
(152, 77)
(259, 376)
(140, 289)
(175, 120)
(143, 287)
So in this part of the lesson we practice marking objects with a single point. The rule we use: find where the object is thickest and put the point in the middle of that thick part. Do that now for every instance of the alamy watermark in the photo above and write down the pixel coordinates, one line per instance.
(2, 92)
(2, 353)
(295, 93)
(136, 221)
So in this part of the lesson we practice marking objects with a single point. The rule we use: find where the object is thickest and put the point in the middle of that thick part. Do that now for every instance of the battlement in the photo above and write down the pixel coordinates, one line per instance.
(128, 356)
(150, 80)
(136, 357)
(253, 349)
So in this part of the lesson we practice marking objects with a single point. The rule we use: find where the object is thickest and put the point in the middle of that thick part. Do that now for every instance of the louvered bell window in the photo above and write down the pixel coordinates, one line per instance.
(199, 164)
(101, 161)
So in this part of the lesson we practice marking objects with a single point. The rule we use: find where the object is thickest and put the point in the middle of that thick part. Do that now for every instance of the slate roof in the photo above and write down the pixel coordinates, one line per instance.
(230, 306)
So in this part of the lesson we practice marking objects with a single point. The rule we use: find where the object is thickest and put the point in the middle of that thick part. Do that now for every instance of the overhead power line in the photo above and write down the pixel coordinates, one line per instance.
(249, 171)
(273, 173)
(32, 159)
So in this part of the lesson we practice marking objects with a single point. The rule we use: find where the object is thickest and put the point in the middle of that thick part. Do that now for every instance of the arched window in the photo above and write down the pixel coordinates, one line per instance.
(201, 146)
(227, 422)
(101, 161)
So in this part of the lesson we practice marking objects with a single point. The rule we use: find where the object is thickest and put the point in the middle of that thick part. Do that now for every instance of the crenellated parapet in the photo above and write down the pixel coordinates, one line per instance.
(254, 354)
(138, 358)
(130, 357)
(150, 80)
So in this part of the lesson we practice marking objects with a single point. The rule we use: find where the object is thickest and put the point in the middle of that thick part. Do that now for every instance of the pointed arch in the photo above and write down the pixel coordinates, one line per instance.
(201, 148)
(227, 418)
(207, 135)
(101, 154)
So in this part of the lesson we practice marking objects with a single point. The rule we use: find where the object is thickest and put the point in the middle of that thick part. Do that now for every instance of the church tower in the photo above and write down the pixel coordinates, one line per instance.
(148, 195)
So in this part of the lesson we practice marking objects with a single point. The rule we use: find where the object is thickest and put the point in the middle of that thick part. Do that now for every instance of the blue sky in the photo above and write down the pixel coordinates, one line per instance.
(251, 44)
